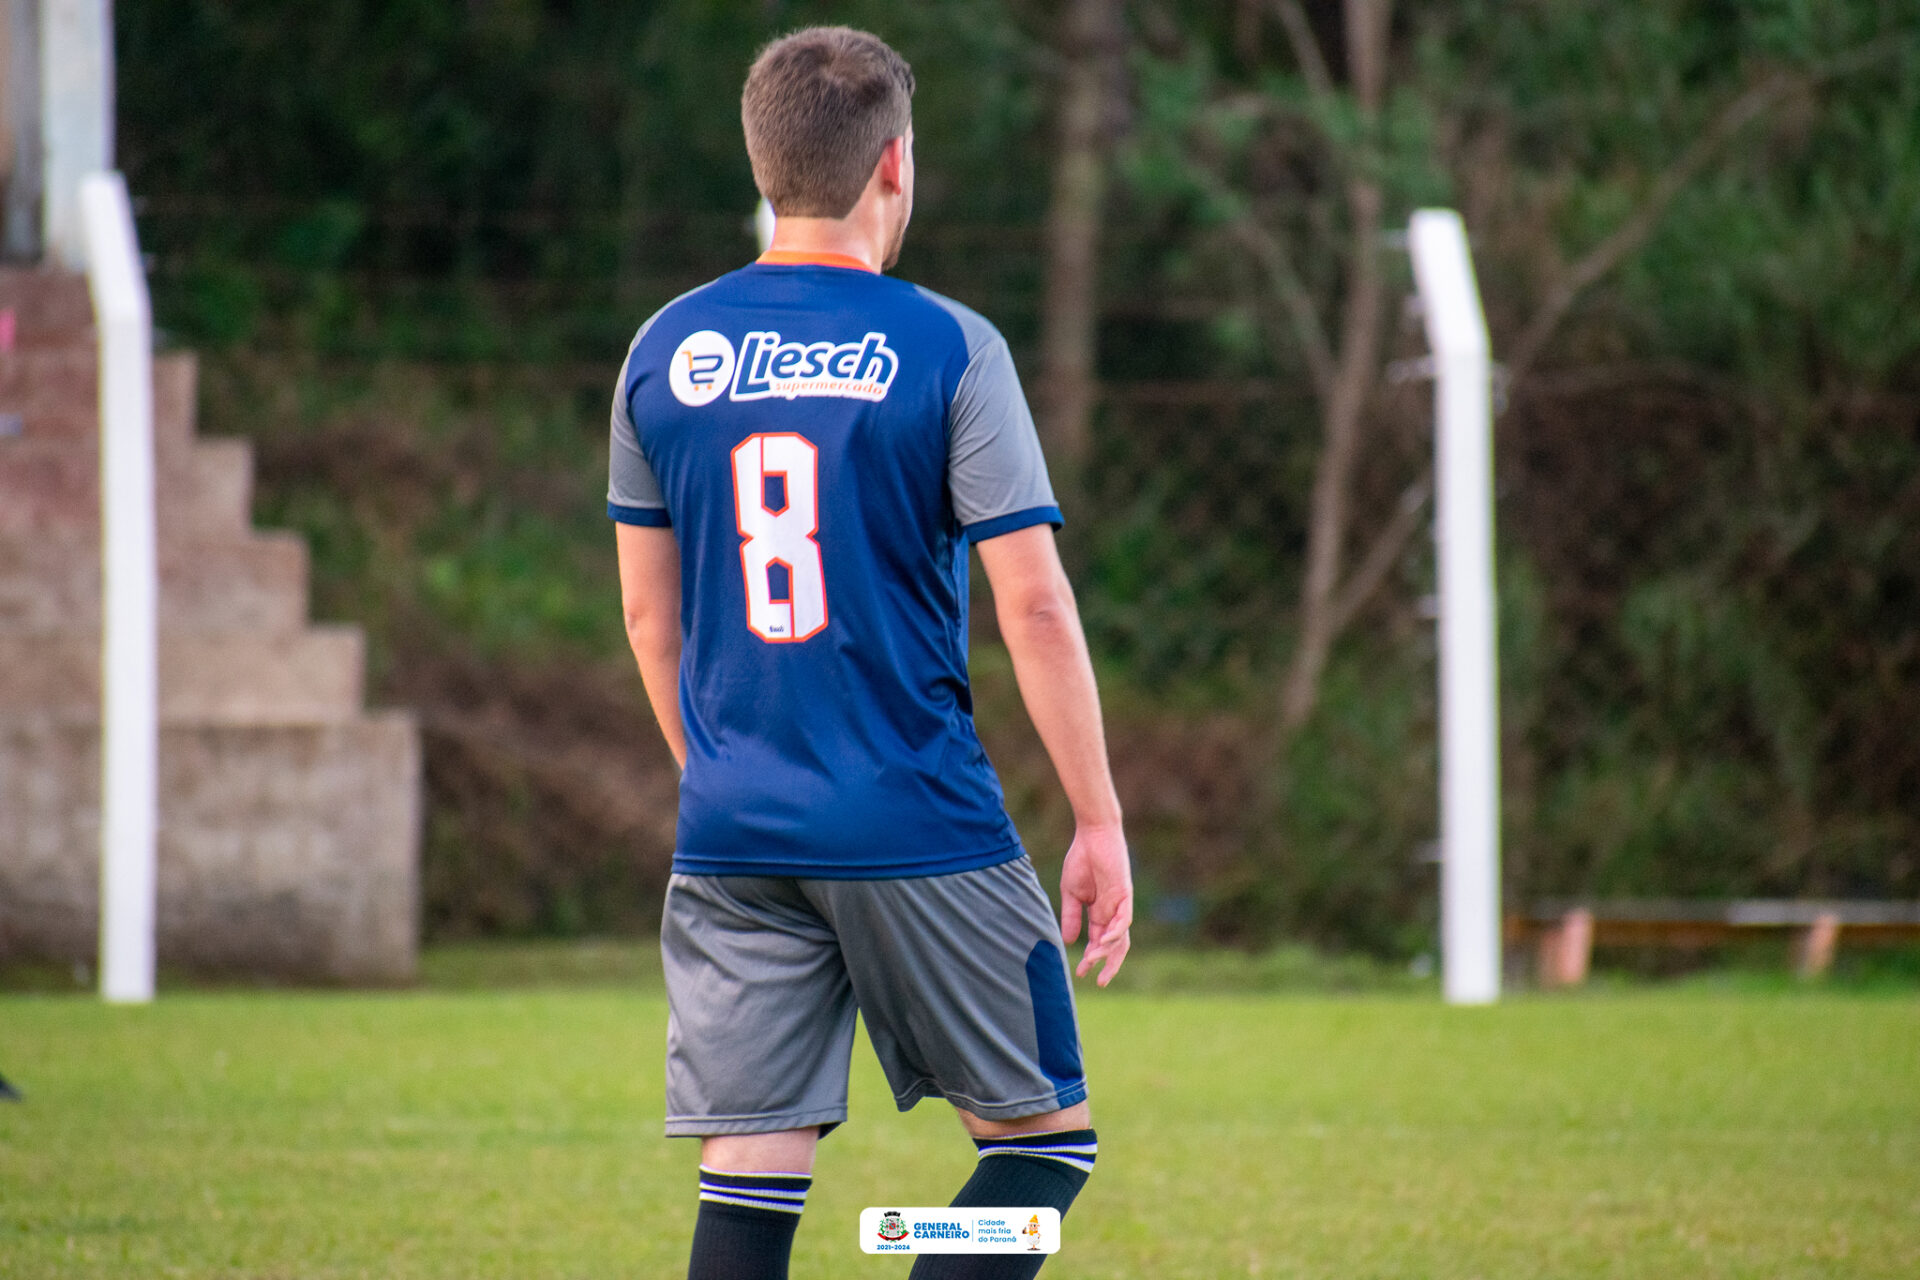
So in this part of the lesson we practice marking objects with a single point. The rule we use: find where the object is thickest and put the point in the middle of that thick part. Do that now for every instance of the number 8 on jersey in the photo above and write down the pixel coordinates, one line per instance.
(776, 499)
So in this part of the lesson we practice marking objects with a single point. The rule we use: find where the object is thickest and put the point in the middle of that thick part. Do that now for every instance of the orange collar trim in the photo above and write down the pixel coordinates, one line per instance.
(794, 258)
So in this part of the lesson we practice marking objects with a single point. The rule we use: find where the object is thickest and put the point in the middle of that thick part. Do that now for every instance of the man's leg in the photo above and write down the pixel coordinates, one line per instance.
(966, 995)
(752, 1188)
(759, 1028)
(1034, 1162)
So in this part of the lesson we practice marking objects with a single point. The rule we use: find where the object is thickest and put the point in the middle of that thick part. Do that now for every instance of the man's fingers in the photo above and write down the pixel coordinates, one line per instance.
(1108, 939)
(1109, 953)
(1108, 915)
(1108, 946)
(1115, 959)
(1113, 952)
(1096, 948)
(1087, 957)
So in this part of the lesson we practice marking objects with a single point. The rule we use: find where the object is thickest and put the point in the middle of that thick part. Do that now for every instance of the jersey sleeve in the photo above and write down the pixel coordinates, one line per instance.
(995, 470)
(633, 491)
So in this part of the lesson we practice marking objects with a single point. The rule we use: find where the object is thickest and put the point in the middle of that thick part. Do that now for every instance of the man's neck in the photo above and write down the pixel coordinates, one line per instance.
(849, 237)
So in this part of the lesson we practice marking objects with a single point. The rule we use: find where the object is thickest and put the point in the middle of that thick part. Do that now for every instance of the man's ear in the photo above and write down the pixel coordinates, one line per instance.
(893, 159)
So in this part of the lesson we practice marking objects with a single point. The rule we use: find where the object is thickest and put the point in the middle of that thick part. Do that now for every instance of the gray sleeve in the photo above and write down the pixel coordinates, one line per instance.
(633, 492)
(995, 469)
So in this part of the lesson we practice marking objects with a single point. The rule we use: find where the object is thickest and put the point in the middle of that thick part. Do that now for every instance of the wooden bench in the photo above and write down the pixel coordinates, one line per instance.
(1564, 934)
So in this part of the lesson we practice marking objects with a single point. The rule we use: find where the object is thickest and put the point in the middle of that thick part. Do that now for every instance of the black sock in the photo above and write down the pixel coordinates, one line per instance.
(746, 1224)
(1032, 1171)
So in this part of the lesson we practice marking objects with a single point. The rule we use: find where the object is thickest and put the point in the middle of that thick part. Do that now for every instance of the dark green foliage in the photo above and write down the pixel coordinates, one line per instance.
(498, 179)
(440, 223)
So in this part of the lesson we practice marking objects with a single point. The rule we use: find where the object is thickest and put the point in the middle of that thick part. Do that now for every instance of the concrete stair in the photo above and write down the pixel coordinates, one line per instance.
(289, 816)
(256, 583)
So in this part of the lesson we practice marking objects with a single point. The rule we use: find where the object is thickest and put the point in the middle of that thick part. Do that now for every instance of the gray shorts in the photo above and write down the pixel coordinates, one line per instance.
(961, 979)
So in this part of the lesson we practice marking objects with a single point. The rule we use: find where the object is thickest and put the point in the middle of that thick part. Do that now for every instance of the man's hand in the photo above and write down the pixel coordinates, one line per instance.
(1097, 884)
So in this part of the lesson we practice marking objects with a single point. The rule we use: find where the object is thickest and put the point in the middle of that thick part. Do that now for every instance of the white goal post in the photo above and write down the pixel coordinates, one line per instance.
(76, 117)
(1463, 533)
(129, 625)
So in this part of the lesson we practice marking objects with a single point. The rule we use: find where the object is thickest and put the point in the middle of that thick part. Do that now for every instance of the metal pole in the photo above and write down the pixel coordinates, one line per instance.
(763, 224)
(20, 239)
(129, 661)
(1469, 691)
(76, 115)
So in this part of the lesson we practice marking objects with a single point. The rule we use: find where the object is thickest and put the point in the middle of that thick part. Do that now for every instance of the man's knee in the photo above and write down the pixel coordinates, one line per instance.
(788, 1151)
(1077, 1116)
(1042, 1159)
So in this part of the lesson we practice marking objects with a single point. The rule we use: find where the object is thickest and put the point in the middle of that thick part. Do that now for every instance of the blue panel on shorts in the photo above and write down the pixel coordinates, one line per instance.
(1053, 1026)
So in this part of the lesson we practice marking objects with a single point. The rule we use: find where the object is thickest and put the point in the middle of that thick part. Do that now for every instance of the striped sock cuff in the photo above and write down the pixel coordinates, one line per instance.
(779, 1192)
(1075, 1148)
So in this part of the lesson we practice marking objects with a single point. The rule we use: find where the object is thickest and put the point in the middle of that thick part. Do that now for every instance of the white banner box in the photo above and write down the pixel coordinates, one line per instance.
(959, 1230)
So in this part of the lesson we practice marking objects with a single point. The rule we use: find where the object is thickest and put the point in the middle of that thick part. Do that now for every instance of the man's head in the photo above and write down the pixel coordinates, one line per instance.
(820, 108)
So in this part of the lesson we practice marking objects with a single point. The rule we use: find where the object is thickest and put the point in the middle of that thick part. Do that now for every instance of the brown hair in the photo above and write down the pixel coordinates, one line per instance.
(819, 107)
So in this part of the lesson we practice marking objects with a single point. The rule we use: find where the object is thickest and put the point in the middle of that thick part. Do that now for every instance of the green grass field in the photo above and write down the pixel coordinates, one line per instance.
(510, 1133)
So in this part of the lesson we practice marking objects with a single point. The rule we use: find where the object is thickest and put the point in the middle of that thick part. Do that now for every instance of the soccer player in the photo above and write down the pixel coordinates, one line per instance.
(802, 453)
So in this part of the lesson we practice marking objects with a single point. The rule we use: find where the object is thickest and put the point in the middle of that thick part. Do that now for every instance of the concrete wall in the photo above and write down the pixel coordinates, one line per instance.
(287, 851)
(289, 817)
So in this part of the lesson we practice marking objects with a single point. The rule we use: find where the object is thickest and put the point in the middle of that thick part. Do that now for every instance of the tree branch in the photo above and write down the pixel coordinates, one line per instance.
(1342, 414)
(1631, 234)
(1356, 372)
(1368, 23)
(1286, 284)
(1384, 553)
(1640, 225)
(1306, 47)
(1070, 310)
(1246, 30)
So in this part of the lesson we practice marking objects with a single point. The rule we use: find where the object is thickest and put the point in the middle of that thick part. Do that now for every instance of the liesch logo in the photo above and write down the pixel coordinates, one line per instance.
(770, 368)
(702, 368)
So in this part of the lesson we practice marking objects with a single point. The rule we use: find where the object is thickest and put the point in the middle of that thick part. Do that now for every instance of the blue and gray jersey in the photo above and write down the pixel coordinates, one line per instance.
(825, 442)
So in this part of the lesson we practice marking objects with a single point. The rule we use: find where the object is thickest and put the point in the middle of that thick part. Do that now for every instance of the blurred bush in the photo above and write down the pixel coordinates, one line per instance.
(413, 240)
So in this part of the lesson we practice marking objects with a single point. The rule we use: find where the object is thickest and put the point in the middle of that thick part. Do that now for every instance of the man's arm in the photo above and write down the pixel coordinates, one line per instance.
(650, 598)
(1041, 627)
